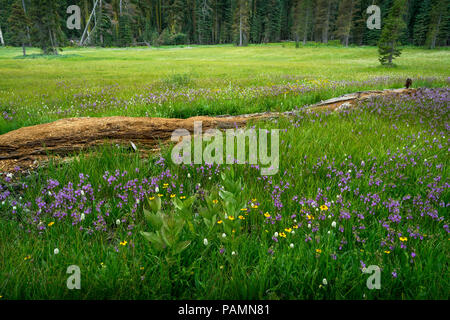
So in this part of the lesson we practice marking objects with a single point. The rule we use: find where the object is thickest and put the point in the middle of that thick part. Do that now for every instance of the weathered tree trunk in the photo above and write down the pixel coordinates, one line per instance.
(1, 37)
(305, 32)
(240, 28)
(435, 33)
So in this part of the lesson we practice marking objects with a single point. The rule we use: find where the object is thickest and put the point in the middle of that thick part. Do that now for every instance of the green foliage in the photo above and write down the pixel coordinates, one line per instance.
(388, 46)
(46, 31)
(125, 33)
(422, 22)
(168, 227)
(19, 24)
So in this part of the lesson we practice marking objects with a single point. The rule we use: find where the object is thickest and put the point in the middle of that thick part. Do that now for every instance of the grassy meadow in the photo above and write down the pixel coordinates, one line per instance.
(200, 80)
(366, 186)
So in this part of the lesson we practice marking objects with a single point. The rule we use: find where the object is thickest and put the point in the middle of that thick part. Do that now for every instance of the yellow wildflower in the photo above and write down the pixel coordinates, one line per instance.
(318, 251)
(123, 243)
(160, 195)
(282, 234)
(295, 227)
(323, 207)
(215, 201)
(151, 198)
(219, 222)
(288, 230)
(241, 217)
(231, 218)
(254, 206)
(387, 251)
(183, 197)
(172, 196)
(403, 239)
(51, 223)
(267, 215)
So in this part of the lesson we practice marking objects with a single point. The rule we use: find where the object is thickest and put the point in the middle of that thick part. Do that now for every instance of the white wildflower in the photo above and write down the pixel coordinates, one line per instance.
(205, 242)
(56, 251)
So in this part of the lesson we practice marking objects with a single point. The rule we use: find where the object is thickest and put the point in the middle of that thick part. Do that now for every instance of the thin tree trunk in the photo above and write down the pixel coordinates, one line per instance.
(1, 37)
(101, 17)
(240, 27)
(305, 32)
(28, 28)
(436, 32)
(24, 51)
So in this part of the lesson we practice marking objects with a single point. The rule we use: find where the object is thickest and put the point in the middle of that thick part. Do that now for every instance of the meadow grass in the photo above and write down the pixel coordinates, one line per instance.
(197, 80)
(361, 164)
(362, 187)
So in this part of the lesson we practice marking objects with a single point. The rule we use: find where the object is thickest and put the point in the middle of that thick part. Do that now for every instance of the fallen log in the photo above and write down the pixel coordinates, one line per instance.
(25, 146)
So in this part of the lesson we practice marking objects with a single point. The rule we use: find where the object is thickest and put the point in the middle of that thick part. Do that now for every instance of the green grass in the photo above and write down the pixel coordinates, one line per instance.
(392, 149)
(105, 82)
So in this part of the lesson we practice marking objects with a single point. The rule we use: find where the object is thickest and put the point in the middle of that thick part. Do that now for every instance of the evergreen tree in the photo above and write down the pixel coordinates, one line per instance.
(226, 21)
(324, 9)
(422, 22)
(46, 30)
(439, 18)
(303, 20)
(272, 21)
(18, 24)
(204, 21)
(388, 46)
(241, 25)
(125, 33)
(344, 20)
(257, 16)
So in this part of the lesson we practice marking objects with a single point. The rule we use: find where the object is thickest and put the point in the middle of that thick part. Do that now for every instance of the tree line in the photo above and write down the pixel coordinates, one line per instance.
(42, 23)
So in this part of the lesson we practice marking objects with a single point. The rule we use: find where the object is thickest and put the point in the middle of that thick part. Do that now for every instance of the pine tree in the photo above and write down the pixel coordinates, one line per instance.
(358, 32)
(257, 15)
(303, 20)
(241, 25)
(125, 34)
(344, 20)
(18, 24)
(204, 17)
(388, 46)
(438, 14)
(421, 24)
(272, 21)
(324, 9)
(46, 22)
